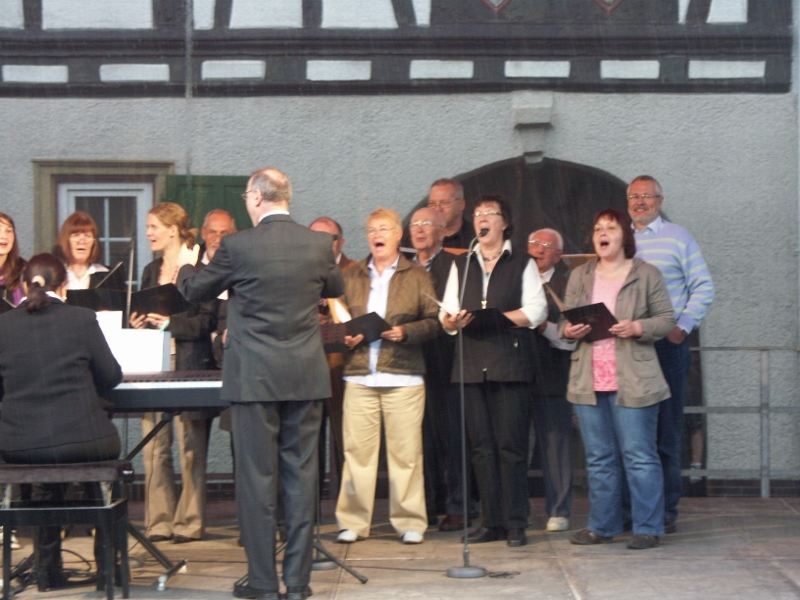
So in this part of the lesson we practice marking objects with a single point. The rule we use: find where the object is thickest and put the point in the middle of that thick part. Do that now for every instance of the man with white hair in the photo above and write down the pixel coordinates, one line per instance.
(552, 414)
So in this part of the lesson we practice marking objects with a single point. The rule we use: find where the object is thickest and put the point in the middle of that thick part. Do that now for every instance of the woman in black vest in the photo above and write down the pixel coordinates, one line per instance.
(497, 374)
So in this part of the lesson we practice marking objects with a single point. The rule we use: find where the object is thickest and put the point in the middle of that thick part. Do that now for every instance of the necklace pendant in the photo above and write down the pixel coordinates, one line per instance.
(483, 303)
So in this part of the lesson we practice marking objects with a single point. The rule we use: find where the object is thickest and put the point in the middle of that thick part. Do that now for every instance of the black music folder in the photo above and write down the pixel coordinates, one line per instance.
(486, 322)
(97, 299)
(161, 300)
(596, 315)
(371, 325)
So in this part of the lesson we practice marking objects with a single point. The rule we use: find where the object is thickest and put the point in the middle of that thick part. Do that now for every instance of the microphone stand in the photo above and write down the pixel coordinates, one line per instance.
(465, 571)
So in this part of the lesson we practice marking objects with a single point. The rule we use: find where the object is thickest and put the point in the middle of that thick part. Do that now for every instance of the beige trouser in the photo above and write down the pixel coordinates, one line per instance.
(401, 409)
(162, 515)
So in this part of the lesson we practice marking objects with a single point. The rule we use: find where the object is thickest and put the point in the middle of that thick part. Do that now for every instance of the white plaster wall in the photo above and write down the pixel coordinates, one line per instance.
(728, 164)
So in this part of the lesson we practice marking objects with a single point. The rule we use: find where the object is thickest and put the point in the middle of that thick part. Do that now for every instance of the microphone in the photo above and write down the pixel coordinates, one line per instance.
(483, 232)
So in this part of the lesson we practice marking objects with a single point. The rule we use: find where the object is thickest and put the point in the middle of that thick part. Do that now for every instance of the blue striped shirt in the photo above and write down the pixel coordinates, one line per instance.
(675, 253)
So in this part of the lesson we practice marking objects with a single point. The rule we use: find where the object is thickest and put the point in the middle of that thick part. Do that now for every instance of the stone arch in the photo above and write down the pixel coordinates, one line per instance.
(549, 193)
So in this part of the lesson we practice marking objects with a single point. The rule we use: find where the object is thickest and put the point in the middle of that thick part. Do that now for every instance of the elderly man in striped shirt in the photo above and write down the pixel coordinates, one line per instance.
(673, 250)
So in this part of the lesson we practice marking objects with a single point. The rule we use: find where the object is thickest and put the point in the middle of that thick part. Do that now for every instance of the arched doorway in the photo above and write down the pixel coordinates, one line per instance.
(550, 193)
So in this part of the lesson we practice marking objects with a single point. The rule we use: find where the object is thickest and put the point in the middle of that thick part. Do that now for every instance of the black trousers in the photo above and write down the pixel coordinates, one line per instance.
(276, 440)
(497, 415)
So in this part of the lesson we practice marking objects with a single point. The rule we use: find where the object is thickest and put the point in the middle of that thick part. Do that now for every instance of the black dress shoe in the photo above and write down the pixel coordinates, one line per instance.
(159, 538)
(670, 527)
(517, 538)
(486, 534)
(182, 539)
(298, 593)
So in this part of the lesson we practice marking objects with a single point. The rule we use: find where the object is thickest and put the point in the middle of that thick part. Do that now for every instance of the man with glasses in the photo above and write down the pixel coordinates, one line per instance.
(441, 431)
(274, 374)
(552, 414)
(674, 251)
(446, 196)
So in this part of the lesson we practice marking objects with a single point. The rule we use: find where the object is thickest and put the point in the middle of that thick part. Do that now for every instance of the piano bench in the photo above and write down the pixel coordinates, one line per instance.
(109, 515)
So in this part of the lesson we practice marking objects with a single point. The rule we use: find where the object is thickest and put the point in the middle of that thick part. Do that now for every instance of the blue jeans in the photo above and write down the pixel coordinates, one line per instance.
(614, 436)
(675, 361)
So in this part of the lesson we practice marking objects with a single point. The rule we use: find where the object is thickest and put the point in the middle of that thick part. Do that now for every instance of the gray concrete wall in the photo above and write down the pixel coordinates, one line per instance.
(728, 164)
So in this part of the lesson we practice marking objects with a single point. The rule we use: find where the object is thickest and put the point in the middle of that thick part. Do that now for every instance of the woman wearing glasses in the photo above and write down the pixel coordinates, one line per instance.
(497, 372)
(384, 383)
(77, 246)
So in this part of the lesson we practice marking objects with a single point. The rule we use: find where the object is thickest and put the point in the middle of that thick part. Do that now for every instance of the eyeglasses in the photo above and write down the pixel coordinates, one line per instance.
(441, 204)
(244, 196)
(487, 213)
(336, 237)
(637, 197)
(376, 230)
(421, 224)
(545, 245)
(82, 235)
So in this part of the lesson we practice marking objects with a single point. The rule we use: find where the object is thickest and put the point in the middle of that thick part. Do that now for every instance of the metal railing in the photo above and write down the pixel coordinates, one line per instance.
(764, 410)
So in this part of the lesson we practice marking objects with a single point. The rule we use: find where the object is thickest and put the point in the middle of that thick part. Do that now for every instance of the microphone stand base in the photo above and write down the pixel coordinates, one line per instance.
(466, 572)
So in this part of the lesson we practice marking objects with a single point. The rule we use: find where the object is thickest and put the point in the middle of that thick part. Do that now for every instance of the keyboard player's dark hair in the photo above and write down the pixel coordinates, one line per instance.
(43, 273)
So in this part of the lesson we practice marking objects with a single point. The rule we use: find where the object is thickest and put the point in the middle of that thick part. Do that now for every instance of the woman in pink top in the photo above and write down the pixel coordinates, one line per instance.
(616, 384)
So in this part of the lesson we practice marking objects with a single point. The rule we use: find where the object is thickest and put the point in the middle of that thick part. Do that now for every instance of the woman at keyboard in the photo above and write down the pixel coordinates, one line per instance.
(54, 365)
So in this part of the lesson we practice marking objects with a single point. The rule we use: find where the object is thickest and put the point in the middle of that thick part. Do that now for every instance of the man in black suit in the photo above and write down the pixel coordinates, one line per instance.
(552, 414)
(441, 427)
(274, 373)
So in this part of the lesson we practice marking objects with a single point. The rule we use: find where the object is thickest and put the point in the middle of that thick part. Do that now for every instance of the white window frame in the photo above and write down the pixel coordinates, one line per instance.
(142, 191)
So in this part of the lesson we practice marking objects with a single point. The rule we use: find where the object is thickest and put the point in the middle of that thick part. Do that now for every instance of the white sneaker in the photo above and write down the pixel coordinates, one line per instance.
(557, 524)
(412, 537)
(346, 536)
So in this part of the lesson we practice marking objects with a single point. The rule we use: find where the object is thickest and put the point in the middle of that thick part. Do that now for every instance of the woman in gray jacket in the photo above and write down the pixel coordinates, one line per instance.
(616, 384)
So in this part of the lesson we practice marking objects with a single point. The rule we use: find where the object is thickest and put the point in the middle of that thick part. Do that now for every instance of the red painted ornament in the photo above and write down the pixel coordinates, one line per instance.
(496, 5)
(608, 6)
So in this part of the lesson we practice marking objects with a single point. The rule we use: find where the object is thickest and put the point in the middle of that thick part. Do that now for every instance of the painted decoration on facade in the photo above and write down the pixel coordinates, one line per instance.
(496, 5)
(608, 6)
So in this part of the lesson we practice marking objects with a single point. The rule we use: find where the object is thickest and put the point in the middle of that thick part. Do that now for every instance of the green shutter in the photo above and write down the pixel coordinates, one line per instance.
(199, 194)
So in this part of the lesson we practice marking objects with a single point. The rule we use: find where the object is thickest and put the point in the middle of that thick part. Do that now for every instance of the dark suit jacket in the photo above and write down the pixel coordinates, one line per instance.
(551, 365)
(54, 364)
(275, 274)
(190, 329)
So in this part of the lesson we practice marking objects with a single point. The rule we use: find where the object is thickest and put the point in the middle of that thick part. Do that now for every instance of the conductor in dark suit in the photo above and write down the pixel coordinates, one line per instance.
(275, 373)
